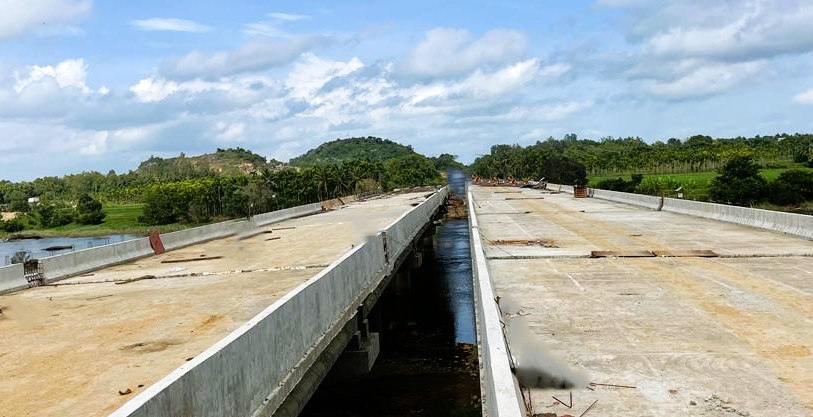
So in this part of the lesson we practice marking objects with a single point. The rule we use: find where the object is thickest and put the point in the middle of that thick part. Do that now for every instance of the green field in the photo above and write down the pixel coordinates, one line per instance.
(695, 184)
(120, 219)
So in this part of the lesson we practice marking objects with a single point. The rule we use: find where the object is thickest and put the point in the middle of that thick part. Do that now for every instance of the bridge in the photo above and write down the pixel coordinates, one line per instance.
(240, 318)
(652, 306)
(647, 306)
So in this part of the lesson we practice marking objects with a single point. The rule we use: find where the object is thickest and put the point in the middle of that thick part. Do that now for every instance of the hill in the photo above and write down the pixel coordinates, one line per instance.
(339, 150)
(230, 161)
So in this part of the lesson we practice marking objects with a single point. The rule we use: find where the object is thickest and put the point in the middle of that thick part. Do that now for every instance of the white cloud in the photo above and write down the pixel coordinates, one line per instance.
(96, 145)
(287, 16)
(253, 56)
(18, 17)
(706, 80)
(230, 132)
(311, 73)
(805, 97)
(168, 24)
(157, 89)
(68, 73)
(753, 30)
(445, 52)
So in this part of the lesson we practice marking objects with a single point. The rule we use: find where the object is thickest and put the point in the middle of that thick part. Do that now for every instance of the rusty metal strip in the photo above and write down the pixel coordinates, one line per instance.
(621, 254)
(202, 258)
(685, 253)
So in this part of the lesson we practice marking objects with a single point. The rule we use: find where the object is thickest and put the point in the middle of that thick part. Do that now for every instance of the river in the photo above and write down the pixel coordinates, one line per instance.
(428, 362)
(37, 246)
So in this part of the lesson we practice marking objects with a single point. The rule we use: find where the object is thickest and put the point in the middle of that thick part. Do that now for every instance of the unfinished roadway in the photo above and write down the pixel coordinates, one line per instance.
(678, 334)
(85, 345)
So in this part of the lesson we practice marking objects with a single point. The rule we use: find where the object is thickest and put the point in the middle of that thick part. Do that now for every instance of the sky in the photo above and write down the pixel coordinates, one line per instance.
(100, 85)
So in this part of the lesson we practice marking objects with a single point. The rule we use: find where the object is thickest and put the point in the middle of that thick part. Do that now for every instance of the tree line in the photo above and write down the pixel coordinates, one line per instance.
(622, 155)
(202, 198)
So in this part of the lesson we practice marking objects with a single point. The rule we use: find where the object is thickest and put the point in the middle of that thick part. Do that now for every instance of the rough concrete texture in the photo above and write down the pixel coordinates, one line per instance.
(727, 336)
(60, 266)
(499, 392)
(69, 349)
(12, 278)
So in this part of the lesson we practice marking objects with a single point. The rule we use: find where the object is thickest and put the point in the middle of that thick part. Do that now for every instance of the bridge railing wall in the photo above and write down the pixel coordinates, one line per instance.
(798, 225)
(12, 278)
(401, 232)
(499, 389)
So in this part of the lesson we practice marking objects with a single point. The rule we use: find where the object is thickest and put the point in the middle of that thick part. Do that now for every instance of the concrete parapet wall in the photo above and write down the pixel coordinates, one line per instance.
(499, 389)
(12, 278)
(285, 214)
(251, 371)
(86, 260)
(799, 225)
(187, 237)
(641, 200)
(401, 232)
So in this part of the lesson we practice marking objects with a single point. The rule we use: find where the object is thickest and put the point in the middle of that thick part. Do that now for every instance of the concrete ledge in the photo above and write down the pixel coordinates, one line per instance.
(286, 214)
(640, 200)
(798, 225)
(187, 237)
(12, 278)
(401, 232)
(499, 389)
(86, 260)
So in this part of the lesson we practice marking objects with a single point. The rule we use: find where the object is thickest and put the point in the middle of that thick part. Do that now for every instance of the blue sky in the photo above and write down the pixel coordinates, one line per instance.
(100, 85)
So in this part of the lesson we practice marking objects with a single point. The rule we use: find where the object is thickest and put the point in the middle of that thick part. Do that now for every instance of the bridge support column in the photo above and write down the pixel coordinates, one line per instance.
(360, 354)
(403, 282)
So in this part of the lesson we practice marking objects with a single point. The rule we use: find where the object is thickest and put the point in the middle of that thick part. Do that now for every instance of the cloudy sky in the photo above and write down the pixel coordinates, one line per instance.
(100, 85)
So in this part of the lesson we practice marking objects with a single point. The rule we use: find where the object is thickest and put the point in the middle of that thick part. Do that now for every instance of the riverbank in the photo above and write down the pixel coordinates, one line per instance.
(120, 219)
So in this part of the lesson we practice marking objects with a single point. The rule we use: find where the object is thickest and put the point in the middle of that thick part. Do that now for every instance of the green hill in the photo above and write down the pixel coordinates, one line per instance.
(339, 150)
(231, 161)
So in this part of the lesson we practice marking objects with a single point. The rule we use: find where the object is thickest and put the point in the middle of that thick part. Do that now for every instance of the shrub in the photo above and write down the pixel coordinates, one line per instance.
(12, 226)
(791, 187)
(660, 186)
(89, 210)
(738, 183)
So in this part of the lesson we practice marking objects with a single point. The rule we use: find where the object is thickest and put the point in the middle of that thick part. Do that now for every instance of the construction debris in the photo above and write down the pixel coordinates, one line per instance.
(141, 278)
(545, 243)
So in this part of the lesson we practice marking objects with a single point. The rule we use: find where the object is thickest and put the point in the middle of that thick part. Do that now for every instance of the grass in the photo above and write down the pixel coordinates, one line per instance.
(695, 184)
(120, 219)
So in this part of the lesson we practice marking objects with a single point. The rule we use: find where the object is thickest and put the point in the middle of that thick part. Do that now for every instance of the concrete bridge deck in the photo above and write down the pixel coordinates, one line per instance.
(719, 336)
(68, 349)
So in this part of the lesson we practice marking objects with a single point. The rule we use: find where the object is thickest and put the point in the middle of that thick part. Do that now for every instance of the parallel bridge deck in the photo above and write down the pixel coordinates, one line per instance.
(694, 335)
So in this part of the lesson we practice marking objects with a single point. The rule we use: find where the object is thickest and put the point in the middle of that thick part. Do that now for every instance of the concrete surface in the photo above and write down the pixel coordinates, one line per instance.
(69, 349)
(499, 392)
(12, 278)
(727, 336)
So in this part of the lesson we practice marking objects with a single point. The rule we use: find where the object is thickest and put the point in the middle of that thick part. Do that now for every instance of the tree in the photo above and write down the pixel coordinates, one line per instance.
(89, 210)
(738, 183)
(52, 214)
(18, 201)
(792, 187)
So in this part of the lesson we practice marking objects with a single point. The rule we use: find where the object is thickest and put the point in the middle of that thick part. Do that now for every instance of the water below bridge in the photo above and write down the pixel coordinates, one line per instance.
(428, 362)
